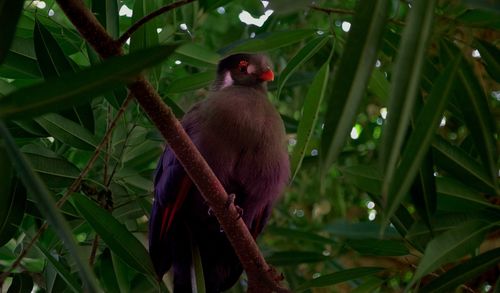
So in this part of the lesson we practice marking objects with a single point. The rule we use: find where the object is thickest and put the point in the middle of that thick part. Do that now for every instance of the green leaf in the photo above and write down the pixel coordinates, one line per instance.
(47, 206)
(61, 270)
(293, 258)
(21, 283)
(451, 245)
(12, 199)
(378, 247)
(77, 88)
(310, 114)
(191, 82)
(423, 191)
(107, 14)
(106, 272)
(420, 139)
(480, 121)
(456, 161)
(294, 234)
(67, 131)
(269, 41)
(457, 190)
(54, 170)
(351, 78)
(491, 57)
(198, 280)
(463, 272)
(300, 58)
(480, 18)
(17, 65)
(339, 277)
(193, 51)
(116, 236)
(361, 230)
(404, 87)
(10, 11)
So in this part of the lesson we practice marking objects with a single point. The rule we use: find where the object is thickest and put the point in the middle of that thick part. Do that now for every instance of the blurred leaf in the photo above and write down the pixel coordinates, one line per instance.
(423, 190)
(67, 131)
(407, 78)
(47, 206)
(491, 57)
(61, 270)
(300, 58)
(480, 18)
(339, 277)
(289, 258)
(116, 236)
(198, 281)
(361, 230)
(451, 245)
(10, 11)
(449, 187)
(191, 82)
(372, 284)
(269, 41)
(420, 139)
(21, 283)
(12, 199)
(287, 7)
(351, 77)
(367, 178)
(107, 13)
(107, 275)
(464, 272)
(294, 234)
(309, 119)
(79, 87)
(379, 85)
(378, 247)
(211, 4)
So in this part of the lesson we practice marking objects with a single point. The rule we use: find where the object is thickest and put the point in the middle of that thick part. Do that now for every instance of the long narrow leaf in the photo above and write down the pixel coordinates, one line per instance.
(77, 88)
(404, 86)
(10, 11)
(63, 271)
(309, 118)
(48, 208)
(464, 272)
(353, 74)
(339, 277)
(451, 245)
(300, 58)
(420, 140)
(270, 41)
(116, 236)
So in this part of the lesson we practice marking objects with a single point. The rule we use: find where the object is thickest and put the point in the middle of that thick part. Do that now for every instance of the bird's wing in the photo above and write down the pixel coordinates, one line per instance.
(172, 186)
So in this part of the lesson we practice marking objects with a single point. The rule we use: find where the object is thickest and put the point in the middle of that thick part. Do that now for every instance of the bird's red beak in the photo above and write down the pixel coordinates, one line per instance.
(267, 75)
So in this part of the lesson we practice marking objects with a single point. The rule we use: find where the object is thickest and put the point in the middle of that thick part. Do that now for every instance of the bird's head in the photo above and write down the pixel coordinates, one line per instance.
(252, 70)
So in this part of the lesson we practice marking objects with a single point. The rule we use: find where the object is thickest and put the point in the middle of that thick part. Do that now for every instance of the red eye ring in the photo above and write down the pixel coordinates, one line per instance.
(243, 65)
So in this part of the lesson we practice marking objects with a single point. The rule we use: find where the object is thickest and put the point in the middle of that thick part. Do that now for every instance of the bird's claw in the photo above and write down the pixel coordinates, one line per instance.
(230, 200)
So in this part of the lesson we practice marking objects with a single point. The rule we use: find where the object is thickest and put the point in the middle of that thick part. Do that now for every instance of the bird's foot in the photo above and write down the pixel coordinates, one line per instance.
(230, 200)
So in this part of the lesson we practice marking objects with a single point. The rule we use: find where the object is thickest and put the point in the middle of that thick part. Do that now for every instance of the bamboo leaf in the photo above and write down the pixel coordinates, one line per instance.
(61, 270)
(191, 82)
(116, 236)
(78, 88)
(197, 277)
(404, 86)
(351, 79)
(339, 277)
(491, 56)
(310, 115)
(47, 206)
(289, 258)
(420, 139)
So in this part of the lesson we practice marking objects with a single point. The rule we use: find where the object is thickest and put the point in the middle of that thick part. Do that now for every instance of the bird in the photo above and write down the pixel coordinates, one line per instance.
(242, 137)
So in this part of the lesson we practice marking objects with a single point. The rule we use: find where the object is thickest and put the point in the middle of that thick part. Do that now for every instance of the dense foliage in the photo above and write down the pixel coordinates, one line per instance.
(391, 108)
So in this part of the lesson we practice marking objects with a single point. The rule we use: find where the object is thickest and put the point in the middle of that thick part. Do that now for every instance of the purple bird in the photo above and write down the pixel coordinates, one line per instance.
(242, 137)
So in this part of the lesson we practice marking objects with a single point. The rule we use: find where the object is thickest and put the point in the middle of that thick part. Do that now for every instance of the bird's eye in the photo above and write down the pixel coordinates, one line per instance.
(242, 66)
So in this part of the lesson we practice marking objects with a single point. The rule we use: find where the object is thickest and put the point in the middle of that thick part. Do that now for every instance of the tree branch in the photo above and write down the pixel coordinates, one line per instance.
(123, 38)
(261, 277)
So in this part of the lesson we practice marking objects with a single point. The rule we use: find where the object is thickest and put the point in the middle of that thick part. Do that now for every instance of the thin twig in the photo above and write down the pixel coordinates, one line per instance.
(93, 252)
(261, 278)
(123, 38)
(73, 187)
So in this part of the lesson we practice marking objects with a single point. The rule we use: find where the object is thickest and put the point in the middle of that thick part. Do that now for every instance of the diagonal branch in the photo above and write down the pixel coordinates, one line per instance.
(261, 277)
(123, 38)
